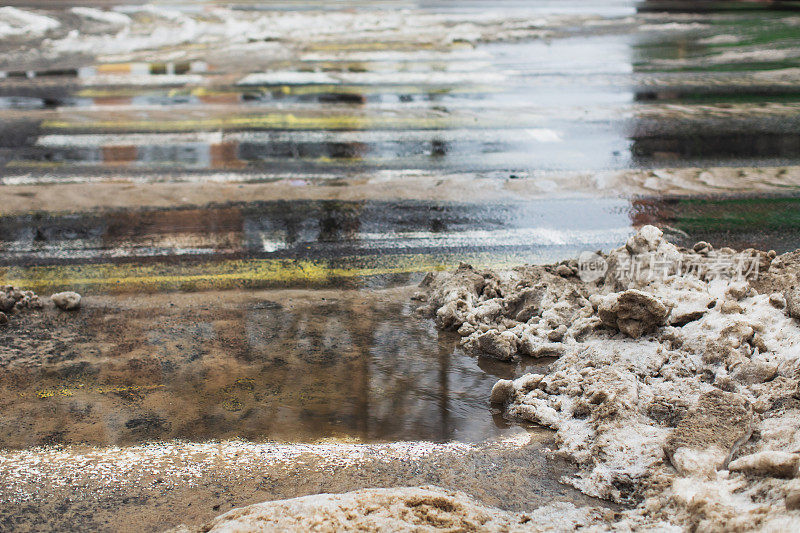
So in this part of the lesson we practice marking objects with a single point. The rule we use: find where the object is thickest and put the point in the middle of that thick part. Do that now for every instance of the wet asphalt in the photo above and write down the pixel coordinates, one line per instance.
(628, 86)
(420, 93)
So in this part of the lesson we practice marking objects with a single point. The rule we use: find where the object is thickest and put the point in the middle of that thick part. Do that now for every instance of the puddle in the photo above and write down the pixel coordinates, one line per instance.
(761, 223)
(290, 365)
(287, 366)
(221, 317)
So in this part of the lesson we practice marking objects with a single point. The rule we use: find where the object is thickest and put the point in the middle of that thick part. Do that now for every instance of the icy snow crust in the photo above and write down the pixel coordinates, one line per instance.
(677, 394)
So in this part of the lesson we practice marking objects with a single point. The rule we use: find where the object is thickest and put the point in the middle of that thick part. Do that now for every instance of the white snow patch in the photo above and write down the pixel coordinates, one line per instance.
(99, 15)
(18, 23)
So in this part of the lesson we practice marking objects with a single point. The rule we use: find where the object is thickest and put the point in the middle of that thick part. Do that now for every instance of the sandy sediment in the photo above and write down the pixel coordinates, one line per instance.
(23, 193)
(158, 486)
(676, 384)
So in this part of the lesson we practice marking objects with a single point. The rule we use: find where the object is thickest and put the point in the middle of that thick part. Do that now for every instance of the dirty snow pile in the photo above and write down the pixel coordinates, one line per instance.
(14, 300)
(675, 389)
(401, 509)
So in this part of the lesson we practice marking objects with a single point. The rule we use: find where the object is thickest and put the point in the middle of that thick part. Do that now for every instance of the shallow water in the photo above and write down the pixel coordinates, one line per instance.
(142, 363)
(286, 366)
(246, 206)
(498, 96)
(353, 244)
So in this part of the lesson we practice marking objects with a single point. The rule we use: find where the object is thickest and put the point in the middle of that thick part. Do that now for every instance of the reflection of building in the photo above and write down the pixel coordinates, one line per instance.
(196, 155)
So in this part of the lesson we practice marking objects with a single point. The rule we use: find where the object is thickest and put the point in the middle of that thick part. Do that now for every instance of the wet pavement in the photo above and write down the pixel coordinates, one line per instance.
(299, 243)
(246, 193)
(592, 89)
(353, 244)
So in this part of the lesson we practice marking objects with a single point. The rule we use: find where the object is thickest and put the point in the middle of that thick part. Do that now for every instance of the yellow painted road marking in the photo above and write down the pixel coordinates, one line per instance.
(128, 277)
(70, 391)
(290, 121)
(35, 164)
(297, 90)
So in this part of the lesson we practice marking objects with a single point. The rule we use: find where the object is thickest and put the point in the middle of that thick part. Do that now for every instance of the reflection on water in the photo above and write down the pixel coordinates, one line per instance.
(761, 223)
(133, 69)
(765, 146)
(284, 366)
(294, 244)
(744, 46)
(140, 363)
(309, 229)
(353, 244)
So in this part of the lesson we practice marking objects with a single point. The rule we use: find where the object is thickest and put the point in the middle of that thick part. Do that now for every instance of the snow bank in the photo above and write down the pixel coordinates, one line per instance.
(676, 384)
(399, 509)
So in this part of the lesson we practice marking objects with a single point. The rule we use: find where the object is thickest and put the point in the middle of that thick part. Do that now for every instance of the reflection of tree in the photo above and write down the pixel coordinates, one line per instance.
(216, 227)
(438, 148)
(346, 150)
(445, 354)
